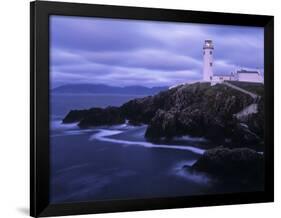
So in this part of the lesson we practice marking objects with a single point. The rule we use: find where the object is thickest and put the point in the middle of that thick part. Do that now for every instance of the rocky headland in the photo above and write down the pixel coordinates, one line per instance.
(199, 110)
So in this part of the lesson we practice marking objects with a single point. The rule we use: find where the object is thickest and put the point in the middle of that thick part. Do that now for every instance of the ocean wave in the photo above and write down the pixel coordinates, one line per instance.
(124, 126)
(189, 138)
(73, 132)
(58, 125)
(103, 135)
(61, 129)
(181, 170)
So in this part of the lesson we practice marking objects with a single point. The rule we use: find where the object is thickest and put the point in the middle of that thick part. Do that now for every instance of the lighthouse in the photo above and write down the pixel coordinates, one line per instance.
(242, 75)
(208, 49)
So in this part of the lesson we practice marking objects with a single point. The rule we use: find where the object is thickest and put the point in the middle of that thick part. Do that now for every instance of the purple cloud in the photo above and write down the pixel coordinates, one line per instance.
(130, 52)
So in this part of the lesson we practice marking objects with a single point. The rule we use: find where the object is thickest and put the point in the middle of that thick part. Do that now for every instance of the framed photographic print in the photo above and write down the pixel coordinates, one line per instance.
(144, 108)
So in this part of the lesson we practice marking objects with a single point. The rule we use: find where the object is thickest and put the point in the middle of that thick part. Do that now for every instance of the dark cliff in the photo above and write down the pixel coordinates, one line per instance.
(197, 109)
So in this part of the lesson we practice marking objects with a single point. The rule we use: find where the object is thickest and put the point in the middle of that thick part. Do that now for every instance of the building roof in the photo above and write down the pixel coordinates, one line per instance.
(247, 71)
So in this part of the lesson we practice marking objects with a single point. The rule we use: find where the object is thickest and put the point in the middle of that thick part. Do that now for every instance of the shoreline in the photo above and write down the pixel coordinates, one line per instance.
(180, 142)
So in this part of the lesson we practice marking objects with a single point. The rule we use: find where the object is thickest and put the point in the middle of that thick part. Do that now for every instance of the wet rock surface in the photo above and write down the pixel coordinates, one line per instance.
(239, 165)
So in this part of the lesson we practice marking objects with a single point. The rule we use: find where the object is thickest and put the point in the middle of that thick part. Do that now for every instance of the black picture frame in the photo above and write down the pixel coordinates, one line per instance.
(39, 107)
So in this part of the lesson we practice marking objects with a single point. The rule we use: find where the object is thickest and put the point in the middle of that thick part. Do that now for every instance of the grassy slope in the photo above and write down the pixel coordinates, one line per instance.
(257, 88)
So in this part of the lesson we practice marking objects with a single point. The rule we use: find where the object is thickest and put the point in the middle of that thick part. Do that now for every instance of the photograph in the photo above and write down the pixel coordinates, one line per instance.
(144, 109)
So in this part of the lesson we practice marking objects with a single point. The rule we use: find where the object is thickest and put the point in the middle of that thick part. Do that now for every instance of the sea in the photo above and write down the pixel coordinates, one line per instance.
(117, 162)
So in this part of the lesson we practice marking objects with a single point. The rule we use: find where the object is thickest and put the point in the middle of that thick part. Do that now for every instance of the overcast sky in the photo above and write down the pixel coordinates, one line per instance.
(127, 52)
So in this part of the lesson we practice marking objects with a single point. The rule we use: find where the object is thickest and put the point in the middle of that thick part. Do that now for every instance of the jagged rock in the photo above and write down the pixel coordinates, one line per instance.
(75, 116)
(241, 133)
(98, 116)
(197, 109)
(95, 117)
(202, 110)
(139, 110)
(142, 110)
(163, 124)
(241, 165)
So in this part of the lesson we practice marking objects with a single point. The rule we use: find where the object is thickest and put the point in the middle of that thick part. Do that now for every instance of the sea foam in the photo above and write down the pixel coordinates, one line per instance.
(103, 135)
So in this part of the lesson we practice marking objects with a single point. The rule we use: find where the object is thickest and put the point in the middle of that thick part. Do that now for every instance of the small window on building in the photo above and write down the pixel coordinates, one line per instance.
(211, 64)
(204, 53)
(211, 52)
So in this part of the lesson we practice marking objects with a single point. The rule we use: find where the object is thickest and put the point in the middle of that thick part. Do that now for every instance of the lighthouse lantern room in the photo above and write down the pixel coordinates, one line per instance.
(208, 60)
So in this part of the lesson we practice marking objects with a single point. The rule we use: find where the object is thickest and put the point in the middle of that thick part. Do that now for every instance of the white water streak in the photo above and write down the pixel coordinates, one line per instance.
(103, 136)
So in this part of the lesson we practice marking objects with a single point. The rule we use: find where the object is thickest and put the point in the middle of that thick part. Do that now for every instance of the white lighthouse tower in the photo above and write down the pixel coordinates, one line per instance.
(208, 60)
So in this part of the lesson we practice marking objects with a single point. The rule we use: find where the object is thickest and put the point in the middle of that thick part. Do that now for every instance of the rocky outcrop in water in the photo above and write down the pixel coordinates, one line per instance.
(240, 165)
(197, 109)
(95, 117)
